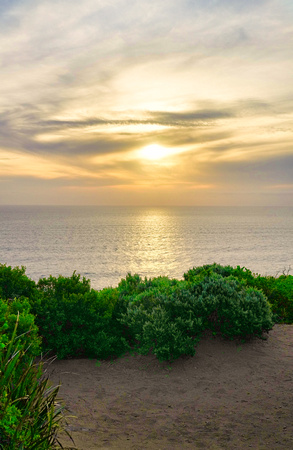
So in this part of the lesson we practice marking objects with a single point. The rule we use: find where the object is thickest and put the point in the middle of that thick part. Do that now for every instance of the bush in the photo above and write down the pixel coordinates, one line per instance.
(128, 290)
(162, 315)
(171, 325)
(61, 287)
(14, 283)
(279, 292)
(158, 331)
(154, 324)
(136, 296)
(230, 308)
(29, 415)
(201, 272)
(167, 338)
(132, 284)
(76, 321)
(18, 310)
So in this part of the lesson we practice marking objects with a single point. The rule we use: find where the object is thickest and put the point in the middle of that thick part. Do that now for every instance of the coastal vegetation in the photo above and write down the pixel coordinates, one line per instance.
(30, 416)
(64, 316)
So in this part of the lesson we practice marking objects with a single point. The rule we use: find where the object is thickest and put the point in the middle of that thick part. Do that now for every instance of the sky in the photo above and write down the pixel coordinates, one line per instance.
(135, 102)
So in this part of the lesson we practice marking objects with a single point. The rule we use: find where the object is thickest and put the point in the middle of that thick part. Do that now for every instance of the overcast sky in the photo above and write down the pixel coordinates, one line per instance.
(141, 102)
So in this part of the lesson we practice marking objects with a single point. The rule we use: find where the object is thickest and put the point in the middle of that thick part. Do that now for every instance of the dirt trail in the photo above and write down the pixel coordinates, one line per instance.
(228, 396)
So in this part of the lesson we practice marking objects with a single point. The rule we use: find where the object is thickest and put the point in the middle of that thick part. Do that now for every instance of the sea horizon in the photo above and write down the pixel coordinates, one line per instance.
(105, 242)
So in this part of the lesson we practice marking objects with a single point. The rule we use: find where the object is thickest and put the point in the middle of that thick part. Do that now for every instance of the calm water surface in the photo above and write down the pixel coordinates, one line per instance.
(104, 243)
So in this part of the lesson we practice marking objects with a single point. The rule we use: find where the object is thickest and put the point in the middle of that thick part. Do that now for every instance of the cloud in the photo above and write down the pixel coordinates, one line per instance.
(87, 84)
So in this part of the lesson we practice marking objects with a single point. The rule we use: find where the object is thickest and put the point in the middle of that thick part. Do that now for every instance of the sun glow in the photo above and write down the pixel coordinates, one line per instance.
(154, 152)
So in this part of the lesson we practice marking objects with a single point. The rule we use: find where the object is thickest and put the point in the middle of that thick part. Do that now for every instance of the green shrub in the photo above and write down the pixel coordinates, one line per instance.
(61, 287)
(158, 331)
(201, 272)
(3, 324)
(171, 324)
(132, 284)
(143, 295)
(29, 415)
(164, 315)
(75, 320)
(229, 307)
(133, 288)
(18, 310)
(167, 338)
(106, 300)
(279, 292)
(159, 323)
(14, 283)
(128, 289)
(79, 324)
(138, 312)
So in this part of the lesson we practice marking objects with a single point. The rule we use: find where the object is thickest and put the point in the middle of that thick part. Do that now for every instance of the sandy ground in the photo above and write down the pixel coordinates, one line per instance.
(228, 396)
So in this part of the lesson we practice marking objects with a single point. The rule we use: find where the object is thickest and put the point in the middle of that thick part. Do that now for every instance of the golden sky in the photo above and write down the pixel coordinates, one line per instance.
(146, 102)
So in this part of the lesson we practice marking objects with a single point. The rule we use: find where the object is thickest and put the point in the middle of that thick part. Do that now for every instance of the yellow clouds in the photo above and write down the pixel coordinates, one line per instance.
(168, 98)
(21, 164)
(14, 163)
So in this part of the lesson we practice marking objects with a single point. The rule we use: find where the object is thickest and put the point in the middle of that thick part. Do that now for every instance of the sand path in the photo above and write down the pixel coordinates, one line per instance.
(228, 396)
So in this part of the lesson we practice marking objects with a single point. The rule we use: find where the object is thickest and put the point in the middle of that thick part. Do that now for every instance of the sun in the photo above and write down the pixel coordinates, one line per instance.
(154, 152)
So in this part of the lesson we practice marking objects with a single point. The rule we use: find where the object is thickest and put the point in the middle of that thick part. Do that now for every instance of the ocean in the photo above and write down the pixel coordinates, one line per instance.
(105, 243)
